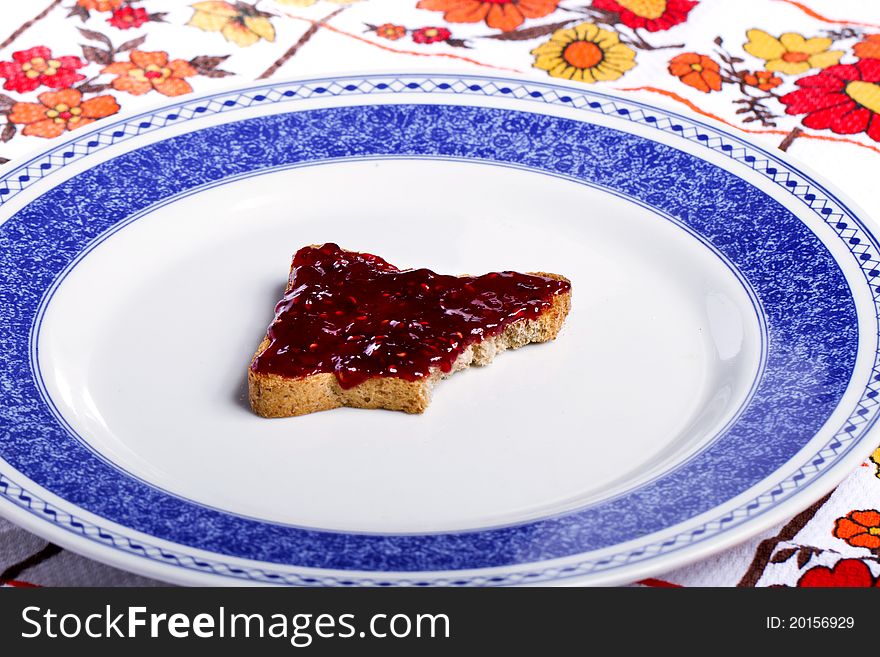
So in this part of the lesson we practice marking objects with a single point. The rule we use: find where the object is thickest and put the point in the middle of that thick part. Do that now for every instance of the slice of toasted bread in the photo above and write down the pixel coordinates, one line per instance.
(275, 395)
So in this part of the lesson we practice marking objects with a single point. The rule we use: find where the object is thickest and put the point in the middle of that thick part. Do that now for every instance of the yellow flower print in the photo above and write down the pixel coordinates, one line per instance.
(791, 53)
(239, 22)
(584, 53)
(875, 457)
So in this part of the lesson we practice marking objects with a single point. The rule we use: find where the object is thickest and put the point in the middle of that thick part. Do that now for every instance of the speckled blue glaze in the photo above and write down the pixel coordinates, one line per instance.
(810, 316)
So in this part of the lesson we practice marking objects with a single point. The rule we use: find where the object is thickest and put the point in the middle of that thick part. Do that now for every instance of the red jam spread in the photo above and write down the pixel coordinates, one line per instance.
(358, 316)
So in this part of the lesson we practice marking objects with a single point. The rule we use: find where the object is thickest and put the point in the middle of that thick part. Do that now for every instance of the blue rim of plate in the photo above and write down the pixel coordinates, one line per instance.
(808, 304)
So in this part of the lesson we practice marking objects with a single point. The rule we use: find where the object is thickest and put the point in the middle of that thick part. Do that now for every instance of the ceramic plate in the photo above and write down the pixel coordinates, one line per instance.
(717, 373)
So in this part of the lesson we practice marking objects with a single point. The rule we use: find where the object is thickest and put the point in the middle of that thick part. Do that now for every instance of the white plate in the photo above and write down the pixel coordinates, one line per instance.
(715, 374)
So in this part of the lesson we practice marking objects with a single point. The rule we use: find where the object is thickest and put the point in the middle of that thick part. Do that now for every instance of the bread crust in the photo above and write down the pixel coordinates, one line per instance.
(272, 395)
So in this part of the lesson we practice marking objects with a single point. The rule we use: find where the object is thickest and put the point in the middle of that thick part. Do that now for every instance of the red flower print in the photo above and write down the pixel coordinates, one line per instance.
(151, 70)
(431, 34)
(697, 71)
(763, 80)
(859, 529)
(652, 15)
(505, 15)
(58, 111)
(34, 67)
(844, 98)
(390, 31)
(846, 573)
(127, 17)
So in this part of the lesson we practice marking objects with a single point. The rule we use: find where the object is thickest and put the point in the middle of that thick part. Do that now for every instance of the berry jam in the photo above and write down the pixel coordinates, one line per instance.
(357, 316)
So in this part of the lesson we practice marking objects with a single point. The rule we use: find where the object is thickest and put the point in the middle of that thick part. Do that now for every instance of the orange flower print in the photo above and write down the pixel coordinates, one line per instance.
(763, 80)
(61, 110)
(697, 71)
(505, 15)
(151, 70)
(859, 529)
(390, 31)
(100, 5)
(869, 48)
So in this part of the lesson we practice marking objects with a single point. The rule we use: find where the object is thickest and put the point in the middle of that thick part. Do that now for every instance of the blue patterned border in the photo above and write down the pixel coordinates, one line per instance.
(830, 338)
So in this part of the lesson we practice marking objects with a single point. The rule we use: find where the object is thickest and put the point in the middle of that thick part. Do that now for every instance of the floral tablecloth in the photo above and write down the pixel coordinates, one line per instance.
(800, 76)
